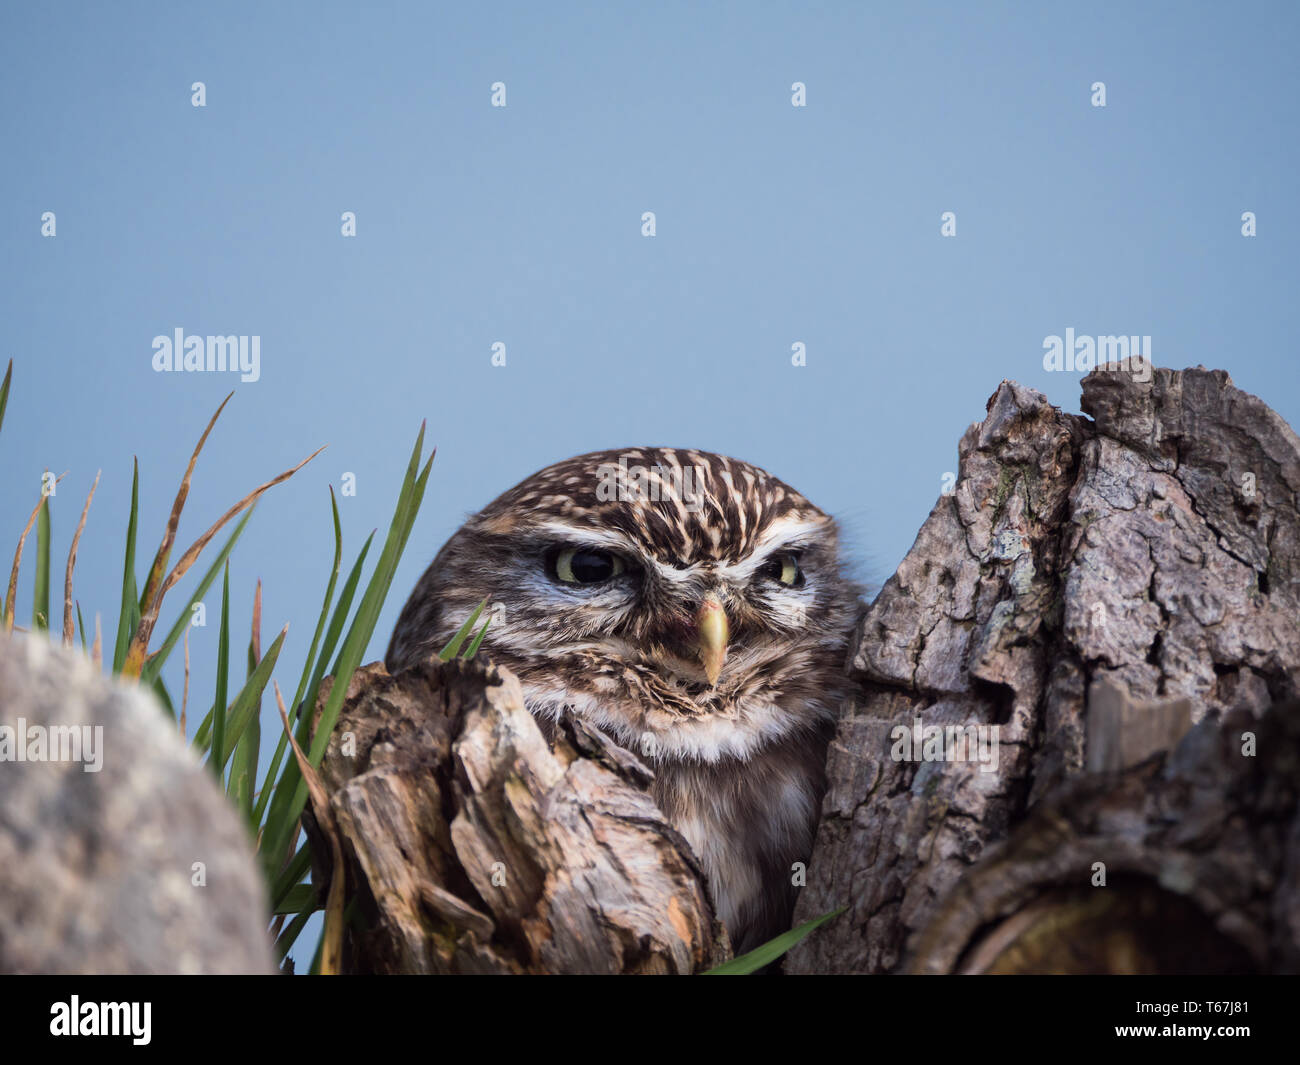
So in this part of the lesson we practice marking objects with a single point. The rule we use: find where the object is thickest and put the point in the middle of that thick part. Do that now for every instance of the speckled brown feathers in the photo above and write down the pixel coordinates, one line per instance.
(738, 761)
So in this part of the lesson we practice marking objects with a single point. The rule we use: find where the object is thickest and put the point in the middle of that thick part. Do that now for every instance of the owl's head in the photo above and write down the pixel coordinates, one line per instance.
(673, 593)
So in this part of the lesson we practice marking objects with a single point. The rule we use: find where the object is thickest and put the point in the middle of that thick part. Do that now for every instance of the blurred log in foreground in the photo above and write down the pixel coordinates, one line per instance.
(473, 847)
(119, 854)
(1112, 607)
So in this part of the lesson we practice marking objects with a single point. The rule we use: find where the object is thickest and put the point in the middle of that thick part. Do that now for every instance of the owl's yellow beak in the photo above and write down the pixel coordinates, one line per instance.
(711, 625)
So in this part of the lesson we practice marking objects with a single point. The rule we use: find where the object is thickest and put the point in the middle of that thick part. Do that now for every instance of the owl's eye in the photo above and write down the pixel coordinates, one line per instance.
(585, 565)
(784, 569)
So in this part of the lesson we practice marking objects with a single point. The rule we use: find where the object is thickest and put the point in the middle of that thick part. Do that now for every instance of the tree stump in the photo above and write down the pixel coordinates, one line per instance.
(473, 846)
(1120, 599)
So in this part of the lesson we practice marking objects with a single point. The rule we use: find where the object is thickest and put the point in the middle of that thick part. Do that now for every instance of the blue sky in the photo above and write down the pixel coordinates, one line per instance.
(522, 225)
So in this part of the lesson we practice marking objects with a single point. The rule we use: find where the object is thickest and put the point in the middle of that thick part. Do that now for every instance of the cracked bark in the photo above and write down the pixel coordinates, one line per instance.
(474, 847)
(1120, 596)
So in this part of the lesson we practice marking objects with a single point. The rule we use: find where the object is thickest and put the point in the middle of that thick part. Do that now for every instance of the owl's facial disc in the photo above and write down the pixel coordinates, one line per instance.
(709, 629)
(698, 623)
(713, 618)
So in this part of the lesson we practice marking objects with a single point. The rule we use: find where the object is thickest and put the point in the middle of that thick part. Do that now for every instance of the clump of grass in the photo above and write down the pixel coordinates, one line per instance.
(764, 955)
(228, 738)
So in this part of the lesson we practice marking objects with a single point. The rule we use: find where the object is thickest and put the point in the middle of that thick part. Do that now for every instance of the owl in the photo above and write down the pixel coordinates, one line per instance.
(694, 609)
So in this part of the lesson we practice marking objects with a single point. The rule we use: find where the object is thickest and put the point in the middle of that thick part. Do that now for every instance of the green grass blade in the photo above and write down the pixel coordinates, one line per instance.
(244, 766)
(129, 617)
(454, 644)
(473, 648)
(215, 758)
(279, 823)
(268, 785)
(363, 625)
(203, 735)
(332, 634)
(772, 949)
(290, 934)
(164, 697)
(243, 770)
(41, 594)
(300, 897)
(81, 627)
(244, 709)
(354, 645)
(298, 867)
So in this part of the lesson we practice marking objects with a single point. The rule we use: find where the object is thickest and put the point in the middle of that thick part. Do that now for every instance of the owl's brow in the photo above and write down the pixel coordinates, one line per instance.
(789, 534)
(614, 539)
(561, 532)
(785, 534)
(586, 536)
(788, 531)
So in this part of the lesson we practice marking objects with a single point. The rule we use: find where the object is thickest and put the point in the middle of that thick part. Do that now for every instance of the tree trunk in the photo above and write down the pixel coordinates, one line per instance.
(1119, 597)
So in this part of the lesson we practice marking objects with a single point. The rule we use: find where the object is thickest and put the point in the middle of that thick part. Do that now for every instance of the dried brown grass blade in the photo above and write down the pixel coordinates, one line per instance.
(331, 955)
(72, 562)
(174, 518)
(135, 657)
(97, 648)
(257, 622)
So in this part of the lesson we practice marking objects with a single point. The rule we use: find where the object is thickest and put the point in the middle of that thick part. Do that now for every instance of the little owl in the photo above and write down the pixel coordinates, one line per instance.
(693, 608)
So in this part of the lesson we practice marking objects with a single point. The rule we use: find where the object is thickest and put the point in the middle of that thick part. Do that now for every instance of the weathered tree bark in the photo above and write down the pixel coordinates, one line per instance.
(1200, 854)
(1111, 606)
(473, 847)
(1094, 589)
